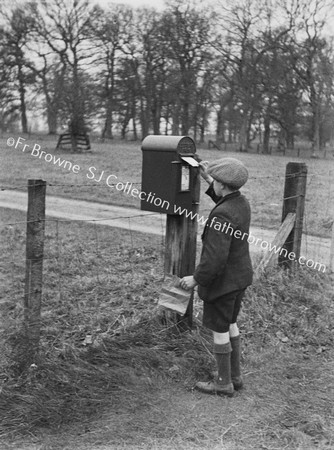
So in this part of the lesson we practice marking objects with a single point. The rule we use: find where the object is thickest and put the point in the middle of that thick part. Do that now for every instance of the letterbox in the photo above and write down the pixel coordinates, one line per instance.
(167, 173)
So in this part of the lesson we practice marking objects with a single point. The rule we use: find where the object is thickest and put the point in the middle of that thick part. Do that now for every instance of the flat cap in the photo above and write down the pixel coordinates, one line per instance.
(229, 171)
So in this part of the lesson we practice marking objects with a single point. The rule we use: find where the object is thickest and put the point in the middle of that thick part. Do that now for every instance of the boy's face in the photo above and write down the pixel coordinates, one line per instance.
(218, 188)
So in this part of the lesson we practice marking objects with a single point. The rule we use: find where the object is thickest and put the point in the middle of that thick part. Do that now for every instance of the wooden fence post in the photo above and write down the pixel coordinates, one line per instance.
(34, 267)
(280, 238)
(293, 202)
(181, 240)
(331, 258)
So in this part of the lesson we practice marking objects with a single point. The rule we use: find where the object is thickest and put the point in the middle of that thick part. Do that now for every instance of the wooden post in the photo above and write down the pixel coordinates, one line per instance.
(293, 202)
(181, 240)
(280, 238)
(331, 254)
(331, 260)
(34, 267)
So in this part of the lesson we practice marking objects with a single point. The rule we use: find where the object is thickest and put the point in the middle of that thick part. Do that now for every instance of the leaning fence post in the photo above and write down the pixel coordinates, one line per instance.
(34, 267)
(293, 202)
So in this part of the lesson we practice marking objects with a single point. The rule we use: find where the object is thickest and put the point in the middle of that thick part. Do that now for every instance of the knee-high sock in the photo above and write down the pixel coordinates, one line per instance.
(223, 357)
(235, 356)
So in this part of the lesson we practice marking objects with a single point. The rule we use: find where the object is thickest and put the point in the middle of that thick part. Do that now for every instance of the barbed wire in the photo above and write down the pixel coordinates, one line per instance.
(138, 183)
(311, 179)
(25, 186)
(80, 220)
(322, 241)
(61, 253)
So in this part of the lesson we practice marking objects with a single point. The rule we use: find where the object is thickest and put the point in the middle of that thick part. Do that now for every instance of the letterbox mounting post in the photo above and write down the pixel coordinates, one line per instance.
(181, 242)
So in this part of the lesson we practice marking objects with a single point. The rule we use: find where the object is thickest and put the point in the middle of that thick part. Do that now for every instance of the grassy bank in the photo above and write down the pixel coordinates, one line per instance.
(123, 160)
(114, 374)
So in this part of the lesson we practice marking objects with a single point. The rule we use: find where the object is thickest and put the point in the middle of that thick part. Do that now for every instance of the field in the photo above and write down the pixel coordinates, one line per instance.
(114, 372)
(123, 160)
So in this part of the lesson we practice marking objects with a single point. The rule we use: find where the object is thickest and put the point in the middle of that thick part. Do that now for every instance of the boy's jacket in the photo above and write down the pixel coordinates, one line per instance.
(225, 265)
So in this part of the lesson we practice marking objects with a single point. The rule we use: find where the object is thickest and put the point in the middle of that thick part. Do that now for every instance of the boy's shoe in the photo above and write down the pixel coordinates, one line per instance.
(214, 387)
(237, 381)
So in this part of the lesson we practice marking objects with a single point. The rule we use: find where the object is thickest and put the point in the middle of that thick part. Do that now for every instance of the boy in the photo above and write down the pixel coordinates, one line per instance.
(224, 270)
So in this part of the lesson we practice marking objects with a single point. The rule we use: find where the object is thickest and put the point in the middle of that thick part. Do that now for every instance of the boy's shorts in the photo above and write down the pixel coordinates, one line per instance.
(219, 315)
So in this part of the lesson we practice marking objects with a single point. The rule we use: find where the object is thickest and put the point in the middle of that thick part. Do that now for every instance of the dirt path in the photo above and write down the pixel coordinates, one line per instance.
(313, 247)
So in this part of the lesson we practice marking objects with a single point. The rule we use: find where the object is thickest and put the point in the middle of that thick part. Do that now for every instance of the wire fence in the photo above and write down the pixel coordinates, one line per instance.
(104, 271)
(104, 257)
(96, 279)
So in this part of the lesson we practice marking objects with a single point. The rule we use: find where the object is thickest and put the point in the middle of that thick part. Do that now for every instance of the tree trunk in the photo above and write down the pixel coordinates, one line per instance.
(124, 126)
(147, 104)
(144, 121)
(176, 120)
(52, 120)
(243, 138)
(167, 116)
(266, 135)
(290, 139)
(133, 114)
(51, 105)
(202, 132)
(23, 107)
(186, 86)
(281, 140)
(156, 116)
(157, 109)
(109, 88)
(316, 130)
(195, 133)
(220, 133)
(249, 129)
(230, 132)
(107, 129)
(185, 118)
(77, 125)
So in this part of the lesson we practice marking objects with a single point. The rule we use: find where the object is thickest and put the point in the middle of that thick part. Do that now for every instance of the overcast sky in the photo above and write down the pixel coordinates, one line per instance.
(158, 4)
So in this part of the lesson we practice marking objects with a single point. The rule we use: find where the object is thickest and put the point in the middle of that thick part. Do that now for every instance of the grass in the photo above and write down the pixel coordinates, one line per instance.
(123, 159)
(114, 373)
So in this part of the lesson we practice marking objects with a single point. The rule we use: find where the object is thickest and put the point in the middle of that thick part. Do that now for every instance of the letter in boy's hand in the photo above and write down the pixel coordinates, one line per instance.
(172, 296)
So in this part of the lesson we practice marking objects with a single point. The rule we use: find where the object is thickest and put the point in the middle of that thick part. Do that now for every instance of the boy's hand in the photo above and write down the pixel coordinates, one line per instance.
(203, 171)
(188, 282)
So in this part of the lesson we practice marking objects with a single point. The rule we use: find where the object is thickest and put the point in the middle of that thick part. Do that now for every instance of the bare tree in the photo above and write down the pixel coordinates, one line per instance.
(259, 66)
(9, 105)
(246, 46)
(15, 35)
(109, 34)
(311, 60)
(188, 28)
(204, 98)
(236, 46)
(153, 68)
(63, 26)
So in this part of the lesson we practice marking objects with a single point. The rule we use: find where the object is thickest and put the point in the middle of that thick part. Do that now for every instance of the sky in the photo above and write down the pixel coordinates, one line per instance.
(161, 4)
(158, 4)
